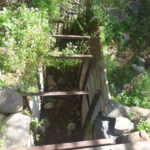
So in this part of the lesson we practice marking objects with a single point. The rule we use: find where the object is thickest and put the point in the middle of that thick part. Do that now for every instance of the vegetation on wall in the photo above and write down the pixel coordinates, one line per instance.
(26, 42)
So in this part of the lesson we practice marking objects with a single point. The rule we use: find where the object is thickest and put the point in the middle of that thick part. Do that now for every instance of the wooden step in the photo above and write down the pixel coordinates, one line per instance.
(62, 93)
(71, 37)
(73, 56)
(73, 145)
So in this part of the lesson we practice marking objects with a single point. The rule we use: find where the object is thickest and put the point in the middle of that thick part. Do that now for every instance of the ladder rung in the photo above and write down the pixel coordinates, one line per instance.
(59, 21)
(74, 145)
(71, 36)
(73, 56)
(62, 93)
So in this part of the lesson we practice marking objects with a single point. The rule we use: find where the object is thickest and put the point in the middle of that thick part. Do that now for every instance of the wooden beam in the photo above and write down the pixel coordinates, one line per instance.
(61, 93)
(71, 36)
(91, 110)
(129, 146)
(73, 56)
(74, 145)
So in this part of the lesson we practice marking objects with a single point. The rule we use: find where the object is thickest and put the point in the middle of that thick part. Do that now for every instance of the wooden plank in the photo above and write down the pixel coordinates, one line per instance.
(91, 110)
(73, 56)
(129, 146)
(71, 36)
(61, 93)
(73, 145)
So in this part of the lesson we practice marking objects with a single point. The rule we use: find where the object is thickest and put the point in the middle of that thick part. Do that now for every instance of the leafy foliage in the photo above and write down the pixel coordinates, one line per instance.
(66, 64)
(143, 125)
(26, 42)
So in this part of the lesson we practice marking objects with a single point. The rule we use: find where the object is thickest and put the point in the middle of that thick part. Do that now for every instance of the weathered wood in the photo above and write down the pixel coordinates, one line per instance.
(73, 56)
(74, 145)
(61, 93)
(129, 146)
(71, 36)
(86, 76)
(91, 110)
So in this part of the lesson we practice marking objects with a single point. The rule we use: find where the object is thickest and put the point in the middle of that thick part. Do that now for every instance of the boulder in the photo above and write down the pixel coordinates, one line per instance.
(103, 128)
(113, 109)
(138, 113)
(133, 137)
(16, 129)
(10, 101)
(123, 125)
(30, 141)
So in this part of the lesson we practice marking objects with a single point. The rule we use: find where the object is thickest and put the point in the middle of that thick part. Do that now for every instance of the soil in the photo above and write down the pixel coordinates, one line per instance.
(66, 109)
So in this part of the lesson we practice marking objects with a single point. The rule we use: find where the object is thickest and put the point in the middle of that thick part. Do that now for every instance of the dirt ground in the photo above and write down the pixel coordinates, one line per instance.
(66, 109)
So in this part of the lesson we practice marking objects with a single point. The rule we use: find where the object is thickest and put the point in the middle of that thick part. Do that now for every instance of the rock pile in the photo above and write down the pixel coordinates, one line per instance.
(14, 125)
(114, 123)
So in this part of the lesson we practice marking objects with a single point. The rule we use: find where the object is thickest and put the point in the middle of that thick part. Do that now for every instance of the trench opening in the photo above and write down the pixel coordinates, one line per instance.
(61, 115)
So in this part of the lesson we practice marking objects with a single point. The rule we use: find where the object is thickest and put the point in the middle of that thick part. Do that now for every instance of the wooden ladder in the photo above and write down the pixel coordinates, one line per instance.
(81, 57)
(81, 92)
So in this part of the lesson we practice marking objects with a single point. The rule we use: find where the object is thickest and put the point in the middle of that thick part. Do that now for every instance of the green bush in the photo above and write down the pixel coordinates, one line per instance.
(143, 125)
(139, 94)
(25, 42)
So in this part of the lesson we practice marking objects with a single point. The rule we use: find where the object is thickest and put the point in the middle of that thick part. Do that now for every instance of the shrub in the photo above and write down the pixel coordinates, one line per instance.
(143, 125)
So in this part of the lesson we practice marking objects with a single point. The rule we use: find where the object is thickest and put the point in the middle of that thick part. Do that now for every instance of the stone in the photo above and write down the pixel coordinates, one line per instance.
(2, 117)
(45, 125)
(17, 127)
(123, 125)
(51, 82)
(125, 36)
(10, 101)
(113, 109)
(103, 128)
(138, 113)
(71, 126)
(133, 137)
(139, 61)
(138, 69)
(48, 106)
